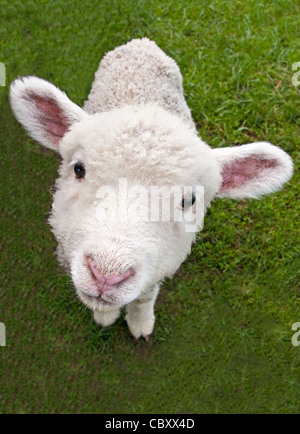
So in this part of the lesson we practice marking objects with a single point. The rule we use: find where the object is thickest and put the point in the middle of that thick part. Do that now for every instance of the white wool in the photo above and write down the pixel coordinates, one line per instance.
(138, 73)
(135, 130)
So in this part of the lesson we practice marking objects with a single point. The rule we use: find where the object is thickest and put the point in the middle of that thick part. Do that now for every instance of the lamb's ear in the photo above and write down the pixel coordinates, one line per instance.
(252, 170)
(45, 111)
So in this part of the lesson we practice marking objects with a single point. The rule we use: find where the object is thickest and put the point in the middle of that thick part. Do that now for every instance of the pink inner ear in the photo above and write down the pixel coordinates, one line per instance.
(51, 117)
(239, 172)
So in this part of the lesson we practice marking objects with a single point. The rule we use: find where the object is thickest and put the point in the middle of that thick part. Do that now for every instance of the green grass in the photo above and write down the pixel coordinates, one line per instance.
(222, 341)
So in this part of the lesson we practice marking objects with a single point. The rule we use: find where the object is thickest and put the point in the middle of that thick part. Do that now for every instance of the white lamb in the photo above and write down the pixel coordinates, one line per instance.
(135, 130)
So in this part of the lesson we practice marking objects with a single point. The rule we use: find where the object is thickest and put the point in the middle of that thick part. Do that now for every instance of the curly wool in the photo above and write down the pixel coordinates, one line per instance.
(138, 73)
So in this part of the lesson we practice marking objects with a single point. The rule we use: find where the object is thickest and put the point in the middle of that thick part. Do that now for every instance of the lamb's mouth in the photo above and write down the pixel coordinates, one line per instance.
(96, 299)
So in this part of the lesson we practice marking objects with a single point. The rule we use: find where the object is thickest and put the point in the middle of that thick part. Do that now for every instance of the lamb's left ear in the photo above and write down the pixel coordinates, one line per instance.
(252, 170)
(44, 111)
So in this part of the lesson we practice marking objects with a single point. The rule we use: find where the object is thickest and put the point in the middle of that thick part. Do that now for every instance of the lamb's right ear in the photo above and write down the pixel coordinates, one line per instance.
(44, 111)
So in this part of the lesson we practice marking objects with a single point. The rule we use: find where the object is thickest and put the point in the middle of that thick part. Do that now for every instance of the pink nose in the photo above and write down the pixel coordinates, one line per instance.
(107, 282)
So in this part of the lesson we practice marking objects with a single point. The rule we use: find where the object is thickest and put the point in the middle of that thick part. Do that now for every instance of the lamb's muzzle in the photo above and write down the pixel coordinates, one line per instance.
(107, 282)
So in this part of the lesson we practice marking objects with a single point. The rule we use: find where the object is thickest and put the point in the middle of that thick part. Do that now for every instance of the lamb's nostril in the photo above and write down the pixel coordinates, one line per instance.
(110, 280)
(96, 273)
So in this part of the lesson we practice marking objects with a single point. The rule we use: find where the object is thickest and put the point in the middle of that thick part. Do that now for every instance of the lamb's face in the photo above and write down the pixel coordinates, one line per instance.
(119, 227)
(114, 236)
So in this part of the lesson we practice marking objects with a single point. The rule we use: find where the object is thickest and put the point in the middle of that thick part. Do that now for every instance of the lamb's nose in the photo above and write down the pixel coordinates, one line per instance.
(107, 282)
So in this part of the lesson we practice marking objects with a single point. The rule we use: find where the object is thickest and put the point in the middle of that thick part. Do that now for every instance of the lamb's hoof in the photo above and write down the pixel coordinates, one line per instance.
(140, 328)
(146, 338)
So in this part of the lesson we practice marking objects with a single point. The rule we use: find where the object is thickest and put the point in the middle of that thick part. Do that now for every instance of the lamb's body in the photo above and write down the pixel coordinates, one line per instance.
(138, 73)
(135, 126)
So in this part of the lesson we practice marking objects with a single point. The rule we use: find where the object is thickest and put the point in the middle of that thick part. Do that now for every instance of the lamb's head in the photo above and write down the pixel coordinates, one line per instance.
(133, 188)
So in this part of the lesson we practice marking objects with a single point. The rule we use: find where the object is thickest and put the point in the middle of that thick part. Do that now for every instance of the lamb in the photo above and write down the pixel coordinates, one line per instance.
(134, 136)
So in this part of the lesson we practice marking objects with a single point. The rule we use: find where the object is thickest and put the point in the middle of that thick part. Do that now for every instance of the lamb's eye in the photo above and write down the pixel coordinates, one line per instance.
(187, 202)
(79, 170)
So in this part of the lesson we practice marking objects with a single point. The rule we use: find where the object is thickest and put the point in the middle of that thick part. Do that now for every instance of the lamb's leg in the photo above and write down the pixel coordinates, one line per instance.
(106, 319)
(140, 314)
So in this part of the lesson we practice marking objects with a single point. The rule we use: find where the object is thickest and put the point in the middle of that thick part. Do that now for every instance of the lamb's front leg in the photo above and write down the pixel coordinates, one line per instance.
(140, 314)
(106, 318)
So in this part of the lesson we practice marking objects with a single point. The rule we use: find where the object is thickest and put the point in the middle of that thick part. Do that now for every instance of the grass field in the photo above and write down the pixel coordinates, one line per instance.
(222, 341)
